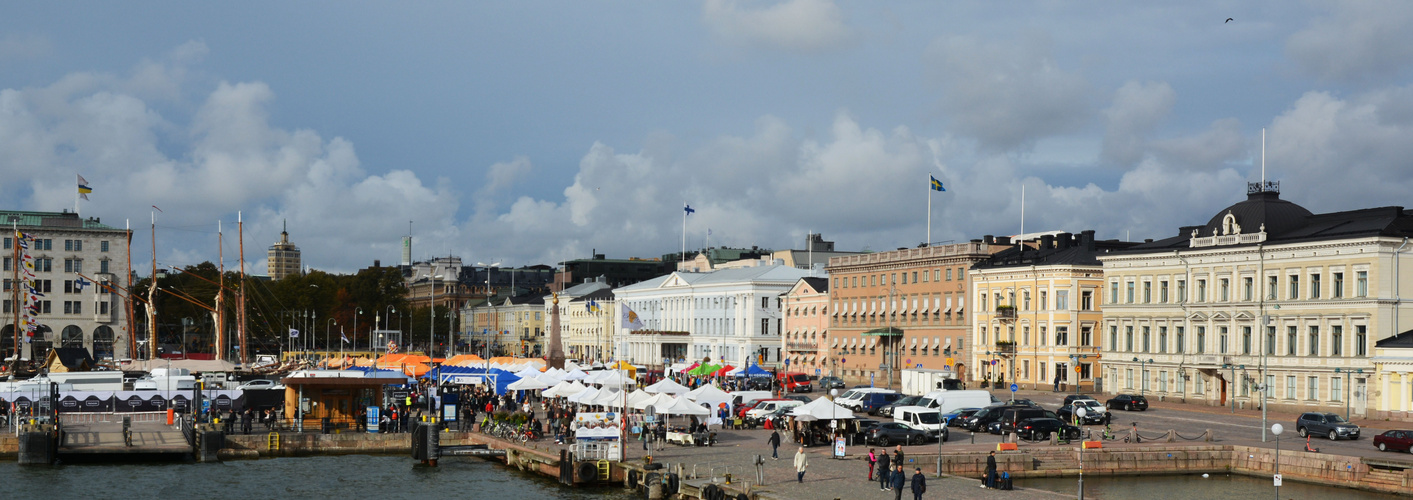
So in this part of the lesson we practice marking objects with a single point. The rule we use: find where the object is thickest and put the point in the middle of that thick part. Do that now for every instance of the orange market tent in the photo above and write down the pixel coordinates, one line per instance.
(464, 360)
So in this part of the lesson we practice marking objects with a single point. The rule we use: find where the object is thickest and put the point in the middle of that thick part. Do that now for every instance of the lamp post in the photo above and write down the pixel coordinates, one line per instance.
(431, 315)
(1232, 397)
(450, 335)
(1143, 373)
(356, 311)
(326, 334)
(1081, 412)
(1276, 429)
(1074, 360)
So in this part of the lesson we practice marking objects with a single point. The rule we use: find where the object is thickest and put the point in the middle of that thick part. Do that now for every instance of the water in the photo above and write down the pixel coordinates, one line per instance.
(347, 476)
(1188, 487)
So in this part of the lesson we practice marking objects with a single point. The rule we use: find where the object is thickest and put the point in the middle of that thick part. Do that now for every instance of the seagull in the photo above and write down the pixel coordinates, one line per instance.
(1228, 20)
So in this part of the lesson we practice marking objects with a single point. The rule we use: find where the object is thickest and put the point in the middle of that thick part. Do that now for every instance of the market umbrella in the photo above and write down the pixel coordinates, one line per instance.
(723, 371)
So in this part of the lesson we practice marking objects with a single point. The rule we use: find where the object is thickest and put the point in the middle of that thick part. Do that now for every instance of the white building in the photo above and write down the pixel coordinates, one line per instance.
(731, 315)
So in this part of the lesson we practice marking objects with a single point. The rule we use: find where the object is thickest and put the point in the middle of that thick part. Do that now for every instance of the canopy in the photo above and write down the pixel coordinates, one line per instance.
(624, 365)
(501, 378)
(666, 386)
(637, 396)
(576, 374)
(821, 409)
(612, 379)
(681, 406)
(704, 370)
(528, 371)
(754, 371)
(584, 396)
(608, 397)
(465, 360)
(710, 395)
(565, 389)
(652, 401)
(527, 384)
(723, 371)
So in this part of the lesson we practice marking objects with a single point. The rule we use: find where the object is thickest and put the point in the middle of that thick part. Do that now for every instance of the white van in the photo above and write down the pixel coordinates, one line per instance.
(949, 401)
(852, 398)
(922, 418)
(767, 407)
(739, 398)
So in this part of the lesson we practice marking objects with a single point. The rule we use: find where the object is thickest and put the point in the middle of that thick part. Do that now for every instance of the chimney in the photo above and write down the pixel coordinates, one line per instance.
(988, 239)
(1047, 242)
(1065, 240)
(1003, 240)
(1086, 239)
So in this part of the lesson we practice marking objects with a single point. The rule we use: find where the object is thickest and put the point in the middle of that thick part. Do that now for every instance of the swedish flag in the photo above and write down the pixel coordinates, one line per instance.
(936, 184)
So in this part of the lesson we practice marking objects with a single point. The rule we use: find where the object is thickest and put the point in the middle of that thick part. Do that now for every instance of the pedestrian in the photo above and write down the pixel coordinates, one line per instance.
(919, 484)
(802, 462)
(884, 470)
(898, 481)
(1057, 381)
(990, 478)
(774, 441)
(898, 456)
(872, 461)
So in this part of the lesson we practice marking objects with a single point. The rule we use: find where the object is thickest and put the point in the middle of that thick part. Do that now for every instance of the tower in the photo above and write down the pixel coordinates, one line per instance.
(283, 257)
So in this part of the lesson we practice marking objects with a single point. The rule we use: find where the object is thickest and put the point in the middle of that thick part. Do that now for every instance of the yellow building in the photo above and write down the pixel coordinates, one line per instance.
(1267, 295)
(1038, 312)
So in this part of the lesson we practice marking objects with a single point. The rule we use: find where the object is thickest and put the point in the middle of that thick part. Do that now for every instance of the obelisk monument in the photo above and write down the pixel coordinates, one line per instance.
(556, 353)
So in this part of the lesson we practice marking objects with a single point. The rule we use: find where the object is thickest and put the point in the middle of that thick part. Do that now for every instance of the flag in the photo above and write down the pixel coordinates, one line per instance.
(80, 283)
(688, 208)
(344, 337)
(294, 334)
(936, 184)
(592, 306)
(83, 187)
(631, 320)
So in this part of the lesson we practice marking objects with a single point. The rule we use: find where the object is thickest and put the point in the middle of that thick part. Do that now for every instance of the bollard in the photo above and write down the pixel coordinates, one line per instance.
(171, 416)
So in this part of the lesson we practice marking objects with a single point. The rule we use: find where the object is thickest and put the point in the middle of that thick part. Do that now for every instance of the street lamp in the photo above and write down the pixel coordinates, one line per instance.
(1081, 412)
(432, 315)
(1232, 396)
(1074, 360)
(1348, 395)
(326, 334)
(356, 311)
(1277, 429)
(1143, 373)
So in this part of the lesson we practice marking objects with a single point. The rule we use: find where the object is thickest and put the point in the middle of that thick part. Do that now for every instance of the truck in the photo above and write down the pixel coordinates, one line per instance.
(922, 381)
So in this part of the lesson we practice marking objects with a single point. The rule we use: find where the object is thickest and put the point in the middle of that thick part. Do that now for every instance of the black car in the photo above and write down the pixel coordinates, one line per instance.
(1325, 424)
(887, 410)
(1130, 402)
(1073, 397)
(827, 383)
(1010, 419)
(1036, 429)
(979, 420)
(895, 433)
(1094, 412)
(961, 416)
(797, 397)
(866, 423)
(1023, 402)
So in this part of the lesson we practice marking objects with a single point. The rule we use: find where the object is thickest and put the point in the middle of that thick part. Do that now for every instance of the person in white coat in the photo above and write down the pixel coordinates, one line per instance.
(802, 462)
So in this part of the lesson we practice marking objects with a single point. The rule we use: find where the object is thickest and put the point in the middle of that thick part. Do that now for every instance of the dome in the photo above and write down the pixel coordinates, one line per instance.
(1262, 207)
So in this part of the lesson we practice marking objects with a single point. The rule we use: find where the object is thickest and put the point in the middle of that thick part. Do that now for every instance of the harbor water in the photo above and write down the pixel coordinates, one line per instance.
(347, 476)
(1189, 487)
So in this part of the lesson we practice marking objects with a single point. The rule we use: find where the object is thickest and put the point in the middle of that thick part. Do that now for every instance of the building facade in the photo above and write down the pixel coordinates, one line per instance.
(806, 337)
(730, 315)
(1265, 295)
(53, 270)
(1038, 312)
(583, 334)
(283, 259)
(902, 309)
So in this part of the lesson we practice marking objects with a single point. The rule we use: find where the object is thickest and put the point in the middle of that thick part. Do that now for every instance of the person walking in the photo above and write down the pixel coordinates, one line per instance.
(898, 456)
(872, 461)
(1057, 381)
(802, 462)
(919, 484)
(884, 470)
(898, 480)
(774, 441)
(990, 481)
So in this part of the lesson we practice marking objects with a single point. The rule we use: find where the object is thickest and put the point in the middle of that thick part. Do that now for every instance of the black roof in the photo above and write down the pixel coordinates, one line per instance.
(1286, 222)
(1404, 339)
(820, 285)
(74, 358)
(1061, 249)
(600, 294)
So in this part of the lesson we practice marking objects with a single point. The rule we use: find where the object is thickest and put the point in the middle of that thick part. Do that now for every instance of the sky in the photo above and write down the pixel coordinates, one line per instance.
(534, 132)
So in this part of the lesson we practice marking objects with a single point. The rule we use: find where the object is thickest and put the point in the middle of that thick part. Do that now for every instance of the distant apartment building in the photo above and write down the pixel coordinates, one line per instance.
(51, 272)
(906, 308)
(1038, 312)
(283, 258)
(805, 308)
(613, 272)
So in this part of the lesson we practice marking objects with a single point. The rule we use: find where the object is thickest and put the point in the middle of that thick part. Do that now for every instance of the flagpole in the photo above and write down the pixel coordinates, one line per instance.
(929, 209)
(684, 233)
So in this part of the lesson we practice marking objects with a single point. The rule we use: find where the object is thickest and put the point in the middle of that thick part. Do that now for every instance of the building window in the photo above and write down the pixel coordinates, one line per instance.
(1271, 340)
(1201, 339)
(1336, 340)
(1312, 389)
(1128, 378)
(1163, 291)
(1044, 300)
(1314, 286)
(1147, 292)
(1290, 387)
(1226, 290)
(73, 245)
(1128, 336)
(1025, 335)
(1201, 290)
(949, 274)
(1162, 340)
(7, 263)
(1130, 292)
(1314, 340)
(1182, 290)
(1086, 336)
(1246, 340)
(1062, 300)
(1247, 288)
(1222, 339)
(1361, 339)
(765, 326)
(1146, 335)
(1113, 290)
(103, 266)
(1337, 285)
(1271, 282)
(1062, 336)
(1291, 342)
(103, 246)
(1294, 286)
(1181, 338)
(1086, 300)
(1361, 283)
(1335, 388)
(1025, 300)
(73, 265)
(1114, 338)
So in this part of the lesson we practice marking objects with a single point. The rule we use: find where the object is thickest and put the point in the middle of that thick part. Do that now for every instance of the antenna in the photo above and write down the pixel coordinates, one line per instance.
(1263, 156)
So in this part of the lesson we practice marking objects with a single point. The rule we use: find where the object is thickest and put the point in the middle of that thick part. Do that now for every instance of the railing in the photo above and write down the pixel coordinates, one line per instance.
(801, 346)
(96, 417)
(1006, 313)
(1005, 348)
(188, 424)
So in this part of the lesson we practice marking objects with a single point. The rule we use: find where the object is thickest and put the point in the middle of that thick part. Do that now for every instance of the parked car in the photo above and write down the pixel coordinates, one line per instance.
(827, 383)
(1010, 419)
(889, 433)
(1094, 412)
(766, 406)
(887, 410)
(923, 419)
(1076, 397)
(1395, 440)
(1129, 402)
(259, 384)
(979, 420)
(1325, 424)
(741, 410)
(797, 397)
(796, 382)
(954, 418)
(1023, 402)
(865, 424)
(853, 399)
(1036, 429)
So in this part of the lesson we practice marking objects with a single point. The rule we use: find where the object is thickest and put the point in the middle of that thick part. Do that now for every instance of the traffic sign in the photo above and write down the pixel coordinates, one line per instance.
(993, 362)
(1278, 479)
(787, 361)
(1076, 369)
(1014, 388)
(816, 372)
(843, 360)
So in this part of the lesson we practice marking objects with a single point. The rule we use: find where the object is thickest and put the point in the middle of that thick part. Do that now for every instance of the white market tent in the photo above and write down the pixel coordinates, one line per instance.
(637, 396)
(681, 406)
(565, 389)
(576, 374)
(710, 395)
(527, 384)
(613, 379)
(608, 397)
(666, 386)
(652, 401)
(821, 409)
(584, 396)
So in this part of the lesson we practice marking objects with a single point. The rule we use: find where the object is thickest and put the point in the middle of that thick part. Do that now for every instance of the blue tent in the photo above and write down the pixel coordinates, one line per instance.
(754, 371)
(497, 376)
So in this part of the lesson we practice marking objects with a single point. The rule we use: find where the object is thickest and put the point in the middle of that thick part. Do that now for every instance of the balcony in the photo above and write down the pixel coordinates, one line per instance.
(1005, 312)
(801, 346)
(1004, 347)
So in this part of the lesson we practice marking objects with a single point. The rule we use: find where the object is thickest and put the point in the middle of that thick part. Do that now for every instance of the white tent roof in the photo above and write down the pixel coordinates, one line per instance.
(608, 397)
(528, 371)
(666, 386)
(652, 401)
(821, 409)
(576, 374)
(710, 395)
(636, 396)
(563, 391)
(584, 396)
(527, 384)
(681, 406)
(613, 379)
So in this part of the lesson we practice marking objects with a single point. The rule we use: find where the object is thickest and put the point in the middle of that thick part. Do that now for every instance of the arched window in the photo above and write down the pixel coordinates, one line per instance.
(40, 344)
(103, 342)
(72, 337)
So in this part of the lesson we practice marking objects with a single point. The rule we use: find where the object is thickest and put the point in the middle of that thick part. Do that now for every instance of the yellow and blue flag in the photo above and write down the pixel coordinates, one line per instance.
(936, 184)
(83, 188)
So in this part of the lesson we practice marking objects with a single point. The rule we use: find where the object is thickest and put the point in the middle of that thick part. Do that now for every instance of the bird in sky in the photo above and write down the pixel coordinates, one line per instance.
(1228, 20)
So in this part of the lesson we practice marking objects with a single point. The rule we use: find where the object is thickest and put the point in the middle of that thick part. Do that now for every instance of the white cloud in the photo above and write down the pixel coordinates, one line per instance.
(1009, 95)
(1136, 110)
(1358, 41)
(800, 25)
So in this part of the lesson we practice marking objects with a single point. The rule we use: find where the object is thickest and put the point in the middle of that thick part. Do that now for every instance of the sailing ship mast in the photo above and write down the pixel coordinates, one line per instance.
(151, 292)
(127, 301)
(15, 296)
(240, 294)
(220, 347)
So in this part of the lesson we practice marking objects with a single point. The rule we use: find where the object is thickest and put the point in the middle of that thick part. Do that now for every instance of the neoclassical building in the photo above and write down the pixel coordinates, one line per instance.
(805, 341)
(1267, 295)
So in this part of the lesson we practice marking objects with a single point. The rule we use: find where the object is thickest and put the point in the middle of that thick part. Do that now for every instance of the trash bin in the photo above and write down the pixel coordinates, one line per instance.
(327, 425)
